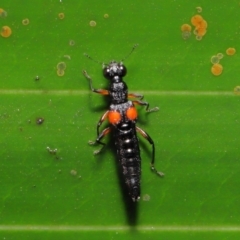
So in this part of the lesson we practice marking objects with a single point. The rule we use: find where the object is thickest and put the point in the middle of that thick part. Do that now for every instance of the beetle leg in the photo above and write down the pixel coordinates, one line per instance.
(101, 120)
(98, 140)
(135, 95)
(100, 91)
(141, 103)
(146, 136)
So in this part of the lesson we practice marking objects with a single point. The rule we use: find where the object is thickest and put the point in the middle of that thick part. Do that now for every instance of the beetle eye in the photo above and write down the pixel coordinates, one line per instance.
(122, 70)
(106, 73)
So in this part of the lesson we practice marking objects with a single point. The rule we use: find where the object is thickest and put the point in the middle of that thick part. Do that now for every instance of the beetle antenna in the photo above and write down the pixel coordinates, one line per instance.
(134, 47)
(86, 55)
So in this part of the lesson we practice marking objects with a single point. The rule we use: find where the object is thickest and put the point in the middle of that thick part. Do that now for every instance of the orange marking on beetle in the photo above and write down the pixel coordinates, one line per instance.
(131, 113)
(114, 117)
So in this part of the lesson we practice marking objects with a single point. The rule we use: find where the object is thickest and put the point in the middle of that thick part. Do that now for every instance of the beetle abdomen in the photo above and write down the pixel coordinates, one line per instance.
(128, 154)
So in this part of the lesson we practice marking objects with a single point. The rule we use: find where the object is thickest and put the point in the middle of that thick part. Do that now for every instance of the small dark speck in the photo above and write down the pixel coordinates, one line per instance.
(39, 120)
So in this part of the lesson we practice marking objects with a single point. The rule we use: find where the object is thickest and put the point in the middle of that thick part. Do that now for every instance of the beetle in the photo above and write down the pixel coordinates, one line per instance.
(122, 116)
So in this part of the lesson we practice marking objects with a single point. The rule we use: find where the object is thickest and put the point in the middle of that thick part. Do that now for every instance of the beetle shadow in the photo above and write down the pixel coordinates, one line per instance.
(100, 108)
(143, 118)
(131, 208)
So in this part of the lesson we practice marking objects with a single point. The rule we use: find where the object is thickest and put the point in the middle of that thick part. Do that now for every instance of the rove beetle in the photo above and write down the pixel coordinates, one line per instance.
(122, 116)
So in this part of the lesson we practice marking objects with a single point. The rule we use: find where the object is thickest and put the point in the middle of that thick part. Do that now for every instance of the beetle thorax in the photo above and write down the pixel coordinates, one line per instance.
(118, 92)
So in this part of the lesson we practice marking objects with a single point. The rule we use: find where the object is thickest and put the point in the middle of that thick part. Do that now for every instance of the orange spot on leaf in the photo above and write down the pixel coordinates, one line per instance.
(217, 69)
(196, 20)
(230, 51)
(6, 31)
(186, 28)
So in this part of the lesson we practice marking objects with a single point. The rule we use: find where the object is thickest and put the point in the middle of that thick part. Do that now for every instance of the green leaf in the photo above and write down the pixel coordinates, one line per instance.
(52, 186)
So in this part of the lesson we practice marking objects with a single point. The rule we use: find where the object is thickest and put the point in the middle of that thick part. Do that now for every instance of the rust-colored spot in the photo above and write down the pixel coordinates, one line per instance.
(217, 69)
(203, 24)
(196, 20)
(230, 51)
(114, 117)
(186, 28)
(131, 113)
(201, 31)
(6, 31)
(201, 28)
